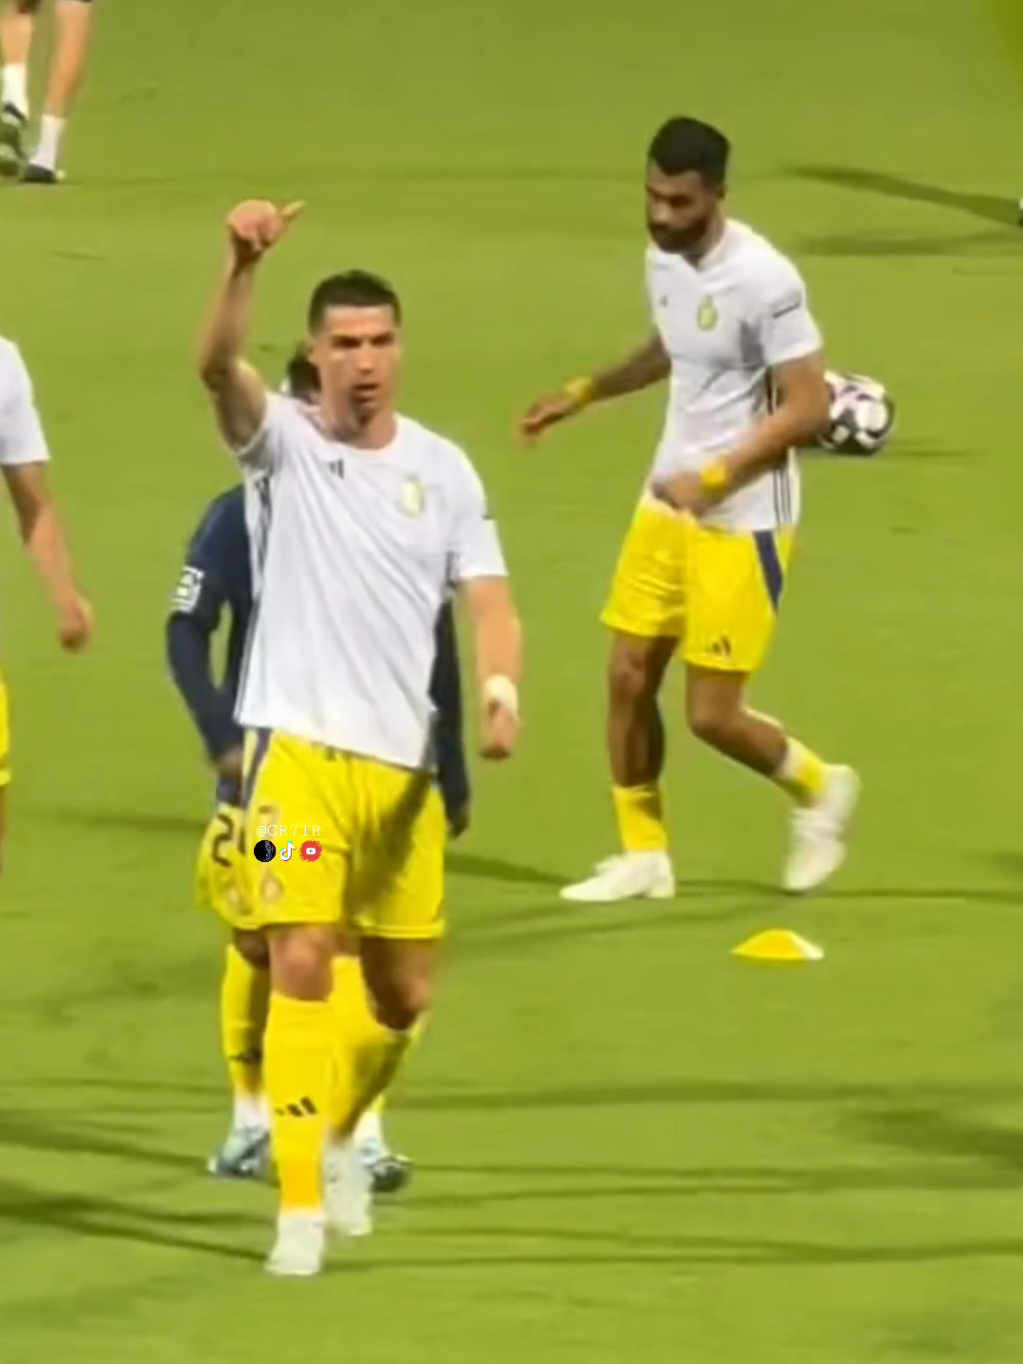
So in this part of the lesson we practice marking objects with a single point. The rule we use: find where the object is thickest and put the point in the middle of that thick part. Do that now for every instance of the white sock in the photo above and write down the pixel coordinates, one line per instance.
(249, 1111)
(15, 88)
(50, 133)
(369, 1130)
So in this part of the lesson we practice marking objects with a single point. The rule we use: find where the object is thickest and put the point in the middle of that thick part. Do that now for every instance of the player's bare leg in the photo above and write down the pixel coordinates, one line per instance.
(17, 28)
(635, 728)
(244, 1001)
(636, 746)
(398, 977)
(297, 1069)
(825, 795)
(74, 19)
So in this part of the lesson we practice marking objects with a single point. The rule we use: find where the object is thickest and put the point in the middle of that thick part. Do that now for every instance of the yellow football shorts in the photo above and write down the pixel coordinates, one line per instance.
(366, 840)
(5, 735)
(716, 591)
(220, 882)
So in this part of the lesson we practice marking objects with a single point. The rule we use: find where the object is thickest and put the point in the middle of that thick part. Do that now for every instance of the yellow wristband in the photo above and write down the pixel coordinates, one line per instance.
(579, 391)
(715, 477)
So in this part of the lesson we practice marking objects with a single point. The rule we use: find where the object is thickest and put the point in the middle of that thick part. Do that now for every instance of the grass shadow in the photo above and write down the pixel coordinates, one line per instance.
(938, 1132)
(41, 1133)
(1009, 864)
(113, 1219)
(497, 869)
(992, 208)
(125, 821)
(726, 1093)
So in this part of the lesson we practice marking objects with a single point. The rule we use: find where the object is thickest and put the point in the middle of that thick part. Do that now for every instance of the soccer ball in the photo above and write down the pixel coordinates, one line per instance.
(862, 415)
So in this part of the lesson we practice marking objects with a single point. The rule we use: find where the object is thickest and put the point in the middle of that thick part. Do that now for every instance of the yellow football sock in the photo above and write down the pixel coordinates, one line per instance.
(297, 1076)
(244, 1000)
(366, 1054)
(376, 1108)
(802, 774)
(640, 818)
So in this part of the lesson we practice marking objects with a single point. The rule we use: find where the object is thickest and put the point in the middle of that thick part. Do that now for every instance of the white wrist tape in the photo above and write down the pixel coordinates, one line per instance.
(502, 691)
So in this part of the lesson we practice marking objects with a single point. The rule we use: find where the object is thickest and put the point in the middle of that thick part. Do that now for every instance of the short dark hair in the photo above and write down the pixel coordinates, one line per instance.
(686, 144)
(301, 378)
(353, 289)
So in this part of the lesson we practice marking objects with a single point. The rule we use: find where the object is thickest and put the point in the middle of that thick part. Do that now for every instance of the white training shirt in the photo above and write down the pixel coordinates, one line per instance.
(353, 551)
(725, 323)
(22, 440)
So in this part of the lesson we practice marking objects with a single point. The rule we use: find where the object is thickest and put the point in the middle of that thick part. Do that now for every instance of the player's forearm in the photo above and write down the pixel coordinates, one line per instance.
(237, 391)
(188, 657)
(222, 345)
(498, 638)
(793, 425)
(645, 367)
(43, 534)
(499, 648)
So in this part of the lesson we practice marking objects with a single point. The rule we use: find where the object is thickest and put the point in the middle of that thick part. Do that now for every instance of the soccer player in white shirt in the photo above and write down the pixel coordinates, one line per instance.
(24, 455)
(704, 563)
(360, 519)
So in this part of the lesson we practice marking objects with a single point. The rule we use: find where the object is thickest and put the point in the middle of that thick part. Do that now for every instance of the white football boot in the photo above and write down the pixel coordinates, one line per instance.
(388, 1172)
(817, 849)
(629, 876)
(300, 1246)
(349, 1190)
(245, 1154)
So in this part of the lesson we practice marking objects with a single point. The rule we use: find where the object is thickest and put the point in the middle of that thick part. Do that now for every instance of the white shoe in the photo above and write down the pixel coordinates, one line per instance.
(299, 1249)
(348, 1186)
(630, 876)
(817, 849)
(244, 1155)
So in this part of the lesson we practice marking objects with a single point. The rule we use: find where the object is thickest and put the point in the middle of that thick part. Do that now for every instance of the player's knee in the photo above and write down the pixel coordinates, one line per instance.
(710, 718)
(300, 960)
(253, 947)
(630, 682)
(399, 1004)
(346, 944)
(399, 978)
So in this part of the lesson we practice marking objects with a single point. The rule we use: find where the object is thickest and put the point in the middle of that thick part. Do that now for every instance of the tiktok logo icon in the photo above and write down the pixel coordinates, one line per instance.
(288, 851)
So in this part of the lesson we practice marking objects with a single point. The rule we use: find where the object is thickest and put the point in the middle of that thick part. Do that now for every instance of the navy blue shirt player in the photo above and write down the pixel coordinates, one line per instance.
(217, 574)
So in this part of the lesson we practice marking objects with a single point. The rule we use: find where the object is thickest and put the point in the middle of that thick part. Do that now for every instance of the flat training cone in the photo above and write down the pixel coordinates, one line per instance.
(778, 944)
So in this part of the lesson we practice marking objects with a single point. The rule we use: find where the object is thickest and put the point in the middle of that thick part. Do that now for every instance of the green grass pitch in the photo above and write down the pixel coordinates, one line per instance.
(630, 1146)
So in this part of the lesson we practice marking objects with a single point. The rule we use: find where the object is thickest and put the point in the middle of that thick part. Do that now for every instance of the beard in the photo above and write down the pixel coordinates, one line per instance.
(678, 240)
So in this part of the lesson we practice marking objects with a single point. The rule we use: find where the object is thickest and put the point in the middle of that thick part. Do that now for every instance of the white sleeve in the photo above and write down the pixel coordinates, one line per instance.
(264, 451)
(22, 439)
(475, 547)
(787, 328)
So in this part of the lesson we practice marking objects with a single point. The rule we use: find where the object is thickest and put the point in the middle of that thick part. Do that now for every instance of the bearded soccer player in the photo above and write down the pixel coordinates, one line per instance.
(703, 567)
(217, 575)
(362, 518)
(24, 456)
